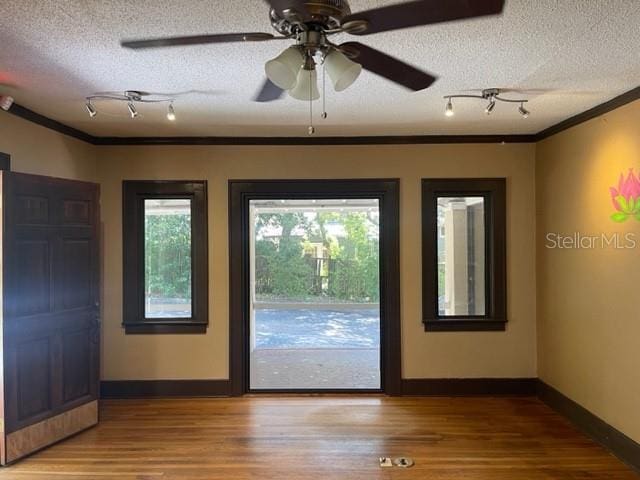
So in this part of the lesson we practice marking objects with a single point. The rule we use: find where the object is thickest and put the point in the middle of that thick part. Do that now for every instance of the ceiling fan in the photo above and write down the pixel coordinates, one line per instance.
(311, 23)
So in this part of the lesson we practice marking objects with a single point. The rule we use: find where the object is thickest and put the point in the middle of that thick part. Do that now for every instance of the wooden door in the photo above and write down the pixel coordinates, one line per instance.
(51, 328)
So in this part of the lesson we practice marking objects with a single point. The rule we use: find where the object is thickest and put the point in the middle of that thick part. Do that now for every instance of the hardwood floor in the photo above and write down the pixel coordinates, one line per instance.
(325, 437)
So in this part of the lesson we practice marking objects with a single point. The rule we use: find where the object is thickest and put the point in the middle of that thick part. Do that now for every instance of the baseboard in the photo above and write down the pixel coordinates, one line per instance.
(609, 437)
(164, 388)
(469, 386)
(222, 388)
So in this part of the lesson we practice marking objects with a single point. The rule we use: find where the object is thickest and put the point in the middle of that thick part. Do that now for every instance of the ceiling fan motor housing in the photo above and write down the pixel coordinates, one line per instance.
(326, 13)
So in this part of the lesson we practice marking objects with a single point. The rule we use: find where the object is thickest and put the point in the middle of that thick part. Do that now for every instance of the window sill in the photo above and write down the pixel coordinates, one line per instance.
(464, 325)
(165, 328)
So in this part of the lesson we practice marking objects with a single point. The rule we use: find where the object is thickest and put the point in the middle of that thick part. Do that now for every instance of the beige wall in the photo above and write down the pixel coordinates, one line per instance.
(482, 354)
(38, 150)
(587, 315)
(35, 149)
(588, 299)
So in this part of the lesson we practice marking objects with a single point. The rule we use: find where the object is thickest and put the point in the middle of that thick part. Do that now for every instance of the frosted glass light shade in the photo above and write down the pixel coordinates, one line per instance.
(342, 71)
(283, 70)
(307, 86)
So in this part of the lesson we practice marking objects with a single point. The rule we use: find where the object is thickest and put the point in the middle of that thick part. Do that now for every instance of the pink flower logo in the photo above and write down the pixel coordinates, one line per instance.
(626, 198)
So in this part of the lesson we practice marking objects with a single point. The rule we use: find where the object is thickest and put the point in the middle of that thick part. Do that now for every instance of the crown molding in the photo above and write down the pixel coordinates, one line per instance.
(598, 110)
(33, 117)
(625, 98)
(366, 140)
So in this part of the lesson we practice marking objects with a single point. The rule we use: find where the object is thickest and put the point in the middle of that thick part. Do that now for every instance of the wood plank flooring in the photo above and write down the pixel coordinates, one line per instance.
(325, 437)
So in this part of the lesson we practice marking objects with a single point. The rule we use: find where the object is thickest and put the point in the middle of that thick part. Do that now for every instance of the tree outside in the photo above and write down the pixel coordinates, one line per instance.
(317, 256)
(168, 258)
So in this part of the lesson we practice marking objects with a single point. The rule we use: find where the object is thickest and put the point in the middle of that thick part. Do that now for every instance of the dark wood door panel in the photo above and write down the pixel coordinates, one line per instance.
(38, 200)
(76, 281)
(51, 310)
(32, 210)
(48, 375)
(31, 288)
(76, 365)
(33, 378)
(76, 211)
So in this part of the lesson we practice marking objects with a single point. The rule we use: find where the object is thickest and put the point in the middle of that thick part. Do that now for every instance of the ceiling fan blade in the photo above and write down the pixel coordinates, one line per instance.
(269, 92)
(197, 40)
(422, 12)
(388, 67)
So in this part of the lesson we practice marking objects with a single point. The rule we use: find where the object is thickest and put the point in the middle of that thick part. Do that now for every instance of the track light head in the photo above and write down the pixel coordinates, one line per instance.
(448, 111)
(132, 110)
(91, 110)
(490, 106)
(171, 114)
(523, 111)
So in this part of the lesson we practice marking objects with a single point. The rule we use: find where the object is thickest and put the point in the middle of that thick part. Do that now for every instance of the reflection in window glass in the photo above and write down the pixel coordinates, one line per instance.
(167, 246)
(461, 256)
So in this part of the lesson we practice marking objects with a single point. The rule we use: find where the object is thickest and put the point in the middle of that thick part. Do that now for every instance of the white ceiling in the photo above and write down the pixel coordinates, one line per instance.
(567, 55)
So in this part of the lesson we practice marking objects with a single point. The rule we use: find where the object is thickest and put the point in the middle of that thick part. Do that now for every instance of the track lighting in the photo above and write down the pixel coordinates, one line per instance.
(492, 95)
(171, 114)
(91, 109)
(131, 97)
(490, 106)
(448, 111)
(132, 110)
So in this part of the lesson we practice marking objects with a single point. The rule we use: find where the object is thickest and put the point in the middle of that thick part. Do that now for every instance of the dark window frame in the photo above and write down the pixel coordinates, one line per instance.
(387, 191)
(134, 193)
(493, 190)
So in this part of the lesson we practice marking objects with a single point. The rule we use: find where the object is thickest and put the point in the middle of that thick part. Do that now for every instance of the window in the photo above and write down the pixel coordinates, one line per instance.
(464, 254)
(165, 256)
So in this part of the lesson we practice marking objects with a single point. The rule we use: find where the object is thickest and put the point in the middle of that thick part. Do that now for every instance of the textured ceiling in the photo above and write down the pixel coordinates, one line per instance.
(566, 55)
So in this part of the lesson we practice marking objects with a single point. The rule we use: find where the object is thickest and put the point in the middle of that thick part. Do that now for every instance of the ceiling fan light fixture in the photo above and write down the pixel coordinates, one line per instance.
(307, 86)
(523, 111)
(283, 70)
(91, 109)
(448, 111)
(342, 70)
(171, 113)
(132, 110)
